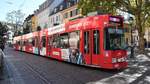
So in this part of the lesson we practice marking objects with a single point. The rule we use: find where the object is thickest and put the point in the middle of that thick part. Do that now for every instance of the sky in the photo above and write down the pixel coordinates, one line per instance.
(27, 7)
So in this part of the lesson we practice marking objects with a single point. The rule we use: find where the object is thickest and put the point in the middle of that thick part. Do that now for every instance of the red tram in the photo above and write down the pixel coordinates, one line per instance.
(96, 41)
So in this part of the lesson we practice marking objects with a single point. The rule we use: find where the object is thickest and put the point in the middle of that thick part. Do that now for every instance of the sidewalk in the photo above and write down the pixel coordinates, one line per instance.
(138, 72)
(4, 77)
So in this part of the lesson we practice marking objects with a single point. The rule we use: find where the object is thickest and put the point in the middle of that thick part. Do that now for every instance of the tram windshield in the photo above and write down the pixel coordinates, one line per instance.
(114, 39)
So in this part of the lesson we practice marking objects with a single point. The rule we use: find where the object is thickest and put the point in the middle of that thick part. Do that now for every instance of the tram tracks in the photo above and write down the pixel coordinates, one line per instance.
(37, 73)
(52, 80)
(31, 69)
(37, 69)
(42, 74)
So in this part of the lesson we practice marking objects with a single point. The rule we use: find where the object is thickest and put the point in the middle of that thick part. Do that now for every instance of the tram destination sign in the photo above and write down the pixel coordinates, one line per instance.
(115, 21)
(115, 30)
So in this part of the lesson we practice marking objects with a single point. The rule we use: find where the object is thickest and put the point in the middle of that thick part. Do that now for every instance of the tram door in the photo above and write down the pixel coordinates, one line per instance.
(91, 47)
(49, 47)
(43, 46)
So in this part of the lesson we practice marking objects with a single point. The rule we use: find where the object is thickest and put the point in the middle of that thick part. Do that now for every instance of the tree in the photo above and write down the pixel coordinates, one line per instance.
(147, 22)
(10, 17)
(15, 17)
(140, 9)
(103, 6)
(26, 29)
(3, 31)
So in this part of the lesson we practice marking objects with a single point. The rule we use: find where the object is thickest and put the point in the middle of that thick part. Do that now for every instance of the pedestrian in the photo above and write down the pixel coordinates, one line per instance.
(2, 46)
(2, 43)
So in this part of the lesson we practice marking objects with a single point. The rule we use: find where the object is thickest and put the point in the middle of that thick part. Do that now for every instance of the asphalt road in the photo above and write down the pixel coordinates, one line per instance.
(25, 68)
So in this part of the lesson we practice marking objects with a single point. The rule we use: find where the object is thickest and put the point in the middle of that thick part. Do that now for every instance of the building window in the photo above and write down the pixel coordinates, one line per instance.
(77, 11)
(61, 7)
(51, 20)
(56, 18)
(45, 25)
(66, 15)
(77, 1)
(71, 13)
(59, 19)
(55, 10)
(68, 4)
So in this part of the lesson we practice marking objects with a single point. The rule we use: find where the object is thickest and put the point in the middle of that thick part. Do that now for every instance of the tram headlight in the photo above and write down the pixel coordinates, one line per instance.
(123, 59)
(114, 60)
(106, 54)
(120, 60)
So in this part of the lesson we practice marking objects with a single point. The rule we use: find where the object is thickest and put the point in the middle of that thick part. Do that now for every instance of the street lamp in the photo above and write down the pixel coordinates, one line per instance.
(132, 46)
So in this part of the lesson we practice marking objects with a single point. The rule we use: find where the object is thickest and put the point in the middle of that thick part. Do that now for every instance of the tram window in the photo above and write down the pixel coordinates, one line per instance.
(55, 41)
(18, 42)
(114, 39)
(13, 42)
(74, 40)
(50, 42)
(30, 41)
(36, 41)
(96, 43)
(24, 43)
(44, 41)
(33, 42)
(86, 42)
(64, 43)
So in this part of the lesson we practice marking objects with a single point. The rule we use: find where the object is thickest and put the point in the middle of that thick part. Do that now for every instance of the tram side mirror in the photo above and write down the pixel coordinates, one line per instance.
(126, 47)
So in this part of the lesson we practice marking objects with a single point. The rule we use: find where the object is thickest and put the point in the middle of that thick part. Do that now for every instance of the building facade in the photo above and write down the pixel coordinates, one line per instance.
(42, 14)
(34, 23)
(55, 16)
(71, 12)
(27, 25)
(64, 12)
(53, 8)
